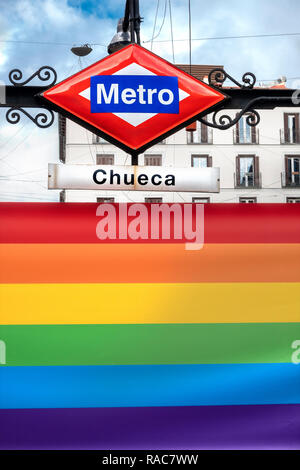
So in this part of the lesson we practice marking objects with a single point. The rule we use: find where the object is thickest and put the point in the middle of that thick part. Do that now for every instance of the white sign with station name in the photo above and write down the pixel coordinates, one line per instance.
(133, 178)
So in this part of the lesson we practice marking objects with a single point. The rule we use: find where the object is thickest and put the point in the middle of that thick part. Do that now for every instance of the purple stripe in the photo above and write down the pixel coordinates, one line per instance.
(203, 427)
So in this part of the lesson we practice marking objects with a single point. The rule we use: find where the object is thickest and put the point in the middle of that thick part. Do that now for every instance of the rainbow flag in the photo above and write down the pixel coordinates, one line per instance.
(148, 345)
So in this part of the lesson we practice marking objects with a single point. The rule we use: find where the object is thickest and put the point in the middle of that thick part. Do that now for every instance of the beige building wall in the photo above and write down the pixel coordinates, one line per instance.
(271, 147)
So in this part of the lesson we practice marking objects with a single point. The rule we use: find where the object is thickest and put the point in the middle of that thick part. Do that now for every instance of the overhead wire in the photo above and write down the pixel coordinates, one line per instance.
(162, 23)
(16, 146)
(249, 36)
(47, 43)
(14, 135)
(171, 28)
(154, 24)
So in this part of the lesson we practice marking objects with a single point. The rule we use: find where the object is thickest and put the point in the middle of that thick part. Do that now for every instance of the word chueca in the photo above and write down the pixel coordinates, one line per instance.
(113, 177)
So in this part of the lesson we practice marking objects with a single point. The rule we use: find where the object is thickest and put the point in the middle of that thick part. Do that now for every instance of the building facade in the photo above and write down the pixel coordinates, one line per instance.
(260, 164)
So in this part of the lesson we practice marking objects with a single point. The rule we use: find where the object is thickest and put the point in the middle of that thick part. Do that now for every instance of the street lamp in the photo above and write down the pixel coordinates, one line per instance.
(120, 39)
(82, 51)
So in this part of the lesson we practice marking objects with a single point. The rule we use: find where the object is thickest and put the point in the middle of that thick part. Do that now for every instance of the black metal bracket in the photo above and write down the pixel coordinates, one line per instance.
(243, 96)
(18, 96)
(247, 100)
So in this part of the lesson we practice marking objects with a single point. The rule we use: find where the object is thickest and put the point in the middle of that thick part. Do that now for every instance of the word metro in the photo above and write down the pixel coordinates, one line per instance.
(134, 94)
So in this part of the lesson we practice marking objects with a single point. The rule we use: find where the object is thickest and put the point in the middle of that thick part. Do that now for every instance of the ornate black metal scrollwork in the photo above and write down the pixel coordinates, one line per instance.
(225, 121)
(218, 76)
(42, 119)
(44, 74)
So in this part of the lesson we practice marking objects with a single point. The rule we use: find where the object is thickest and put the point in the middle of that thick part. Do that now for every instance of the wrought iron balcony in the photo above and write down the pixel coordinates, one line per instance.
(250, 138)
(290, 180)
(290, 136)
(247, 181)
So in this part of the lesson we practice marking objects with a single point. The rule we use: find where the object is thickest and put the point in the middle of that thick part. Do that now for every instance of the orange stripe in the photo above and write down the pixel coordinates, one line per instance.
(90, 263)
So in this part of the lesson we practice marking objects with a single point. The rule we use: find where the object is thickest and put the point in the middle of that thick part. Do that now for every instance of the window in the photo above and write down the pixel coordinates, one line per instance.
(153, 160)
(292, 170)
(105, 159)
(247, 171)
(293, 199)
(291, 132)
(245, 134)
(201, 161)
(62, 196)
(99, 140)
(248, 200)
(106, 199)
(201, 200)
(198, 133)
(153, 200)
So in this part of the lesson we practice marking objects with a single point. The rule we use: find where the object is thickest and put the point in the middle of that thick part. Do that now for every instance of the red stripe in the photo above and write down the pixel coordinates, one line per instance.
(76, 223)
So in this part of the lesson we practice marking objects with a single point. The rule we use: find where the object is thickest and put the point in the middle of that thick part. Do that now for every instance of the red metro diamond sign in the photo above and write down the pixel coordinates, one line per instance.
(133, 98)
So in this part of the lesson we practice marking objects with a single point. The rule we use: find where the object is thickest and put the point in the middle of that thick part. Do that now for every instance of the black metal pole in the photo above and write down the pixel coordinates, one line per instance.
(126, 17)
(134, 159)
(131, 20)
(137, 20)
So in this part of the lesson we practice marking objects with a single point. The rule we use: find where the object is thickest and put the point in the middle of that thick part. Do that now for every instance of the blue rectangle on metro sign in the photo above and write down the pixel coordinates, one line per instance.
(134, 94)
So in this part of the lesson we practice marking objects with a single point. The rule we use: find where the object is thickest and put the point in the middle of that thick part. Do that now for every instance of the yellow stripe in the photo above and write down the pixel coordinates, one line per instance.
(149, 303)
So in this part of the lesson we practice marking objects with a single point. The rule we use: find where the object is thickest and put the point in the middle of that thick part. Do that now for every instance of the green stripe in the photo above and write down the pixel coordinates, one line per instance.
(35, 345)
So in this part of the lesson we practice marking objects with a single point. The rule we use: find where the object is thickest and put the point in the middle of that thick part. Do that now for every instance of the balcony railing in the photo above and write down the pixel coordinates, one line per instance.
(290, 180)
(290, 136)
(242, 137)
(248, 181)
(198, 137)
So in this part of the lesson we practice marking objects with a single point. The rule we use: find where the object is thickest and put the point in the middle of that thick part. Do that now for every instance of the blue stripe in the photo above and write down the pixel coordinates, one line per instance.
(149, 385)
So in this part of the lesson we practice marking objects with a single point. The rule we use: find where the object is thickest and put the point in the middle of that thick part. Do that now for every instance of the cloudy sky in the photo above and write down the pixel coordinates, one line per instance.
(25, 150)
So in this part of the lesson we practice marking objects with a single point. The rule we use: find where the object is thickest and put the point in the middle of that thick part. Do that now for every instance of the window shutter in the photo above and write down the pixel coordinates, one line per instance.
(286, 165)
(209, 161)
(105, 159)
(237, 171)
(286, 127)
(256, 171)
(253, 135)
(297, 129)
(287, 178)
(204, 132)
(237, 130)
(153, 160)
(192, 127)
